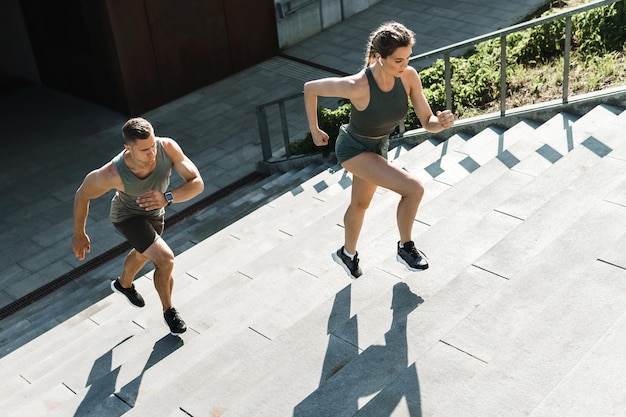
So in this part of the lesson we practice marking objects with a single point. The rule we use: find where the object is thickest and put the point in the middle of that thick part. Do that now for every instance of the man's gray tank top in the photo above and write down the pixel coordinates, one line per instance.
(124, 203)
(384, 112)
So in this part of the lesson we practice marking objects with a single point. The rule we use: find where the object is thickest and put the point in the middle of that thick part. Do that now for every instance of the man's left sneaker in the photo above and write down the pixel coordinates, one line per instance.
(174, 321)
(411, 257)
(134, 298)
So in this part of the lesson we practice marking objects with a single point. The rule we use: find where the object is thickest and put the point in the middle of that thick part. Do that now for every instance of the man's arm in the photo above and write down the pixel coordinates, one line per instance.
(95, 184)
(188, 171)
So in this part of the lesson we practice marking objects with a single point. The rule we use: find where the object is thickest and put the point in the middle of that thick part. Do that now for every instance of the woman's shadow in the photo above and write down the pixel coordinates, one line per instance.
(380, 376)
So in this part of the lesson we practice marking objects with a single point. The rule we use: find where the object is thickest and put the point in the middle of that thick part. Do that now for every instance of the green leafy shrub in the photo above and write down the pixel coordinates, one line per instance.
(537, 45)
(601, 30)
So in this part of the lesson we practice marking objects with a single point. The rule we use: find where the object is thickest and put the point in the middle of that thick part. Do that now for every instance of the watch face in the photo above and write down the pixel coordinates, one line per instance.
(169, 197)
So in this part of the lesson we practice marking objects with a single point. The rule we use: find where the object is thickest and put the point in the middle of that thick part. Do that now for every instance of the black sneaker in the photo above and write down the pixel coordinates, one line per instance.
(134, 298)
(176, 323)
(411, 257)
(351, 266)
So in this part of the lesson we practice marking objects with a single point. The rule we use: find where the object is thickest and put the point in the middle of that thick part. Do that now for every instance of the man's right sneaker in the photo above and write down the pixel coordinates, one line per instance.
(351, 266)
(174, 321)
(134, 298)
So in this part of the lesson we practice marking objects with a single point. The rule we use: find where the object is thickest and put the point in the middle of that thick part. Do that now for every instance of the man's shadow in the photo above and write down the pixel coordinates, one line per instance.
(381, 374)
(101, 398)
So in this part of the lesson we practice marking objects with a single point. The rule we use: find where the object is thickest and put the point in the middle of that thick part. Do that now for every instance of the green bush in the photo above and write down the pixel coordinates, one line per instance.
(537, 45)
(601, 30)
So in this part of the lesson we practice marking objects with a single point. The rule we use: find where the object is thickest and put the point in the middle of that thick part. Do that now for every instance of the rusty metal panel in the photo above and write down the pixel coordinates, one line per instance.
(189, 44)
(133, 45)
(135, 55)
(252, 32)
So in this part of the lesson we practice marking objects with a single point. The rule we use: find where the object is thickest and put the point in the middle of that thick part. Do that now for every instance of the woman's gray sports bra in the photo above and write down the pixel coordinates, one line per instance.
(385, 110)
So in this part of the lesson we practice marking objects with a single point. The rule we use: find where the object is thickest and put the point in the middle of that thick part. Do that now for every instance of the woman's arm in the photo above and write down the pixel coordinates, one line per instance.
(344, 87)
(431, 122)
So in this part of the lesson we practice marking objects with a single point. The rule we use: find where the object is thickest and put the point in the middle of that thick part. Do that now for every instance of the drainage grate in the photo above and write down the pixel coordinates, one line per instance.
(99, 260)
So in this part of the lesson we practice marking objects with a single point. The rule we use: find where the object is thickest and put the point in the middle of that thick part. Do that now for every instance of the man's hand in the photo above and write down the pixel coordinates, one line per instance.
(81, 244)
(151, 200)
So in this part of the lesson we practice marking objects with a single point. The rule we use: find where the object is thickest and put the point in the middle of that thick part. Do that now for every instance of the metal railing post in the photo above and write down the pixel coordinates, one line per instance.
(283, 122)
(448, 75)
(566, 57)
(264, 132)
(502, 75)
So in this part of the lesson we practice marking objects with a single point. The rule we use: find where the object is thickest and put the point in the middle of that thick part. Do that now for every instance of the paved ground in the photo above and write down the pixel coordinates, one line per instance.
(51, 140)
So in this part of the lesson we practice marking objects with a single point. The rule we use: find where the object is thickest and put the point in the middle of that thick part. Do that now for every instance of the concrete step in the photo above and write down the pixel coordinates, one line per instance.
(359, 281)
(330, 395)
(96, 318)
(492, 277)
(286, 307)
(552, 318)
(93, 291)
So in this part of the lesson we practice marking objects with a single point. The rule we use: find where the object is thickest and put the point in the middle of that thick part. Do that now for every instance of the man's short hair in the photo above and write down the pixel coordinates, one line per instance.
(136, 128)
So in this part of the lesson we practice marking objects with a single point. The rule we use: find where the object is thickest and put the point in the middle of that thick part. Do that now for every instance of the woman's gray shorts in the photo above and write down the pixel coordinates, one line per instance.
(350, 144)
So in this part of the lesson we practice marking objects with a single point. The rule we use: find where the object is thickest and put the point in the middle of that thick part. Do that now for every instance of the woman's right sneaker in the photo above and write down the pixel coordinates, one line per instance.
(351, 266)
(411, 257)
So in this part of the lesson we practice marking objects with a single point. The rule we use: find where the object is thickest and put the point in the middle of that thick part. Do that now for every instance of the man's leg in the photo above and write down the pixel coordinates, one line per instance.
(163, 258)
(141, 233)
(132, 265)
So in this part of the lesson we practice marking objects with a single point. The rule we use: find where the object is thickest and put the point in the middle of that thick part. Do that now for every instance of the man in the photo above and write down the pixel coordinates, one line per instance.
(140, 174)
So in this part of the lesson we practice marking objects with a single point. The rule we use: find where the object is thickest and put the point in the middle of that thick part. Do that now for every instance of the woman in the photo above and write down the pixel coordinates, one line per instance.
(379, 96)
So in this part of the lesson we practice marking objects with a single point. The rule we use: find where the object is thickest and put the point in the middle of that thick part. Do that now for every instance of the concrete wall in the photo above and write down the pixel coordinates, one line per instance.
(298, 20)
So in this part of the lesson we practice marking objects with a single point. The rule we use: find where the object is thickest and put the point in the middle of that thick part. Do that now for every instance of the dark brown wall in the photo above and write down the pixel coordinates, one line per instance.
(251, 30)
(134, 55)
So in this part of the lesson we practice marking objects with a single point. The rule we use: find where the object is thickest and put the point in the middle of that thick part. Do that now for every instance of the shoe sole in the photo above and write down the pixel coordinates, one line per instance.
(337, 259)
(122, 294)
(410, 268)
(174, 333)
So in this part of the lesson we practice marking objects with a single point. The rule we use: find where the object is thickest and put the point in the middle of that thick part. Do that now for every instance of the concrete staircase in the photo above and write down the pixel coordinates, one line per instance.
(522, 312)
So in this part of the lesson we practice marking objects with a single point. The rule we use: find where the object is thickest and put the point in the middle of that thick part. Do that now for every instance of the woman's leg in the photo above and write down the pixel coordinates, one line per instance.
(375, 170)
(362, 193)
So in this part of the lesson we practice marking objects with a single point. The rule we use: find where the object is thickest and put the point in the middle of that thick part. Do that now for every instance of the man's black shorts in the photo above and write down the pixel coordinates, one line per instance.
(141, 231)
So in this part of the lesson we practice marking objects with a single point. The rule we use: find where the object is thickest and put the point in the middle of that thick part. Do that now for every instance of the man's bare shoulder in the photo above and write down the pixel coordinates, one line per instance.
(172, 148)
(107, 176)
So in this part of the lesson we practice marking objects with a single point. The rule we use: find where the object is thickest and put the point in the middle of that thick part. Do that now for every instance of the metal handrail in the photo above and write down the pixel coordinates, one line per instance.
(264, 131)
(447, 51)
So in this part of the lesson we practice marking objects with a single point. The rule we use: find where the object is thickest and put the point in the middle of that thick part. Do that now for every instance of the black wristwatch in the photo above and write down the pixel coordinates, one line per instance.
(169, 197)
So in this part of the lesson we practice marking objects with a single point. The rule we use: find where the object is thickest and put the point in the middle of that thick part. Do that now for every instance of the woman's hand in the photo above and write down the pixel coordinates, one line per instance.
(445, 118)
(320, 138)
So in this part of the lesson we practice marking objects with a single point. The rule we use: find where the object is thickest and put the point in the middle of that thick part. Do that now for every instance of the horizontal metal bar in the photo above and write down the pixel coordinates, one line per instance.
(287, 98)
